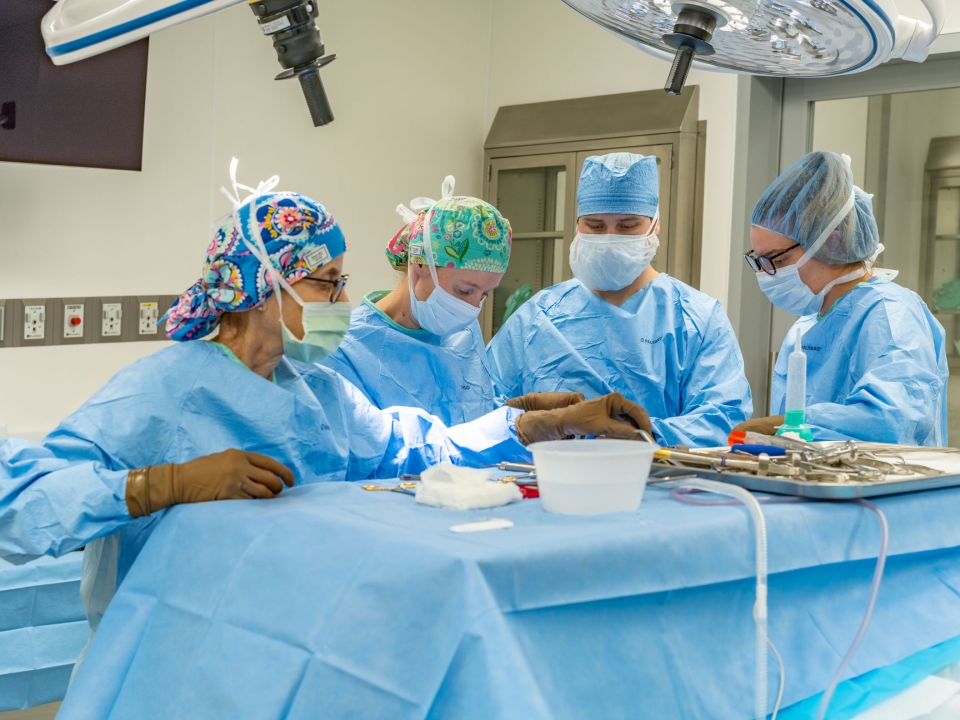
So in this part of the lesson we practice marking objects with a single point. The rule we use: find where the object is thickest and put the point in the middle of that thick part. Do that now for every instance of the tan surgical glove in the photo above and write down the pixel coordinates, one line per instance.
(610, 415)
(761, 425)
(545, 400)
(229, 475)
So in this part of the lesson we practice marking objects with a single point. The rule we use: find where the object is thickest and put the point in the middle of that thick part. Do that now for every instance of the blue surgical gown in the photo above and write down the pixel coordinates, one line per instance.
(669, 348)
(876, 368)
(190, 400)
(393, 365)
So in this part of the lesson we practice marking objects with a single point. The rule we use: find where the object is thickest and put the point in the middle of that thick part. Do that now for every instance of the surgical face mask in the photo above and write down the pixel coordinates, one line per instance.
(787, 290)
(324, 323)
(324, 326)
(441, 313)
(611, 262)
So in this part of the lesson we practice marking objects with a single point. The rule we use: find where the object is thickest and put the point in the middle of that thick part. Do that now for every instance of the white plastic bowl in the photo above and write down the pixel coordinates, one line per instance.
(590, 477)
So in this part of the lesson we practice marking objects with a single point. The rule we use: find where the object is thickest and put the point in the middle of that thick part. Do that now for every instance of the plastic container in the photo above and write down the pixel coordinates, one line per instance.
(591, 477)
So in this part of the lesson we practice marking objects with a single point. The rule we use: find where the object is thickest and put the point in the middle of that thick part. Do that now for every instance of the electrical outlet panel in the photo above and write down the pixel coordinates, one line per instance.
(109, 320)
(32, 322)
(72, 320)
(144, 311)
(149, 314)
(77, 321)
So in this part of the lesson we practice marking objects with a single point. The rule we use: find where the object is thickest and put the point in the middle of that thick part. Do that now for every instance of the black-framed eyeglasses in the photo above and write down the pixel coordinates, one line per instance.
(338, 285)
(765, 262)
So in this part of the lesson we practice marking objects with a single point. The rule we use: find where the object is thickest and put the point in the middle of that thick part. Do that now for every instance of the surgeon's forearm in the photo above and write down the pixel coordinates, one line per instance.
(49, 506)
(707, 427)
(491, 438)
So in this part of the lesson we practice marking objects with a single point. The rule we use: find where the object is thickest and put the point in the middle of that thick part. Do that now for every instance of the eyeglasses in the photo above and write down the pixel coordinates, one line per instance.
(338, 285)
(765, 262)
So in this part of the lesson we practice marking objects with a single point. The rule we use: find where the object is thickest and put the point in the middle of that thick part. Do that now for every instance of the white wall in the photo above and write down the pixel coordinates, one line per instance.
(542, 50)
(414, 91)
(409, 100)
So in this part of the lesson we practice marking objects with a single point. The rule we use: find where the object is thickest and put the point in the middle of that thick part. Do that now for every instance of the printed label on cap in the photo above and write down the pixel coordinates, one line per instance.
(275, 25)
(317, 256)
(416, 250)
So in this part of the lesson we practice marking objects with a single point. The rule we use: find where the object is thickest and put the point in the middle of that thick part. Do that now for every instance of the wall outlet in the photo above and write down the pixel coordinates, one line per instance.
(111, 321)
(149, 314)
(32, 320)
(108, 319)
(145, 312)
(73, 326)
(72, 320)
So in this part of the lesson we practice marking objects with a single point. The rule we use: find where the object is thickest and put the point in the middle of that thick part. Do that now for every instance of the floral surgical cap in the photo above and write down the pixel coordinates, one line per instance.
(466, 233)
(298, 235)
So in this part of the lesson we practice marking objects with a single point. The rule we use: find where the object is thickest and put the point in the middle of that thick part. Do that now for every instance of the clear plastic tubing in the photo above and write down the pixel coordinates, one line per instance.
(796, 379)
(760, 607)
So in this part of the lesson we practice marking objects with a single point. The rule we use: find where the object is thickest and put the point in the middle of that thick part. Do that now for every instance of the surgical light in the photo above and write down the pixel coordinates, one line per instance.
(782, 38)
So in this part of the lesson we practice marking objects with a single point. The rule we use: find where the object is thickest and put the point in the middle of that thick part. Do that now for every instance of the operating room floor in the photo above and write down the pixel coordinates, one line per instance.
(41, 712)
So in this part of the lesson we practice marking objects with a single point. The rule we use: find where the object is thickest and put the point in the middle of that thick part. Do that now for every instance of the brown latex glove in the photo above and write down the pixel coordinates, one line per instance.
(545, 400)
(611, 415)
(229, 475)
(761, 425)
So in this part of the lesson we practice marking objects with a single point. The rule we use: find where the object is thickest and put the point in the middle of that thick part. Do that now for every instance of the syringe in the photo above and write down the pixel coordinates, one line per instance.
(794, 419)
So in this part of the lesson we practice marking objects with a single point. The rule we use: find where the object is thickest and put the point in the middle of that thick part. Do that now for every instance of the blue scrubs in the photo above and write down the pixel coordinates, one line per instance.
(876, 368)
(669, 348)
(393, 365)
(191, 400)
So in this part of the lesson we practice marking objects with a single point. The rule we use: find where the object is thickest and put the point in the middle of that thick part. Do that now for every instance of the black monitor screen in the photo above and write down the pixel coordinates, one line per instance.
(88, 113)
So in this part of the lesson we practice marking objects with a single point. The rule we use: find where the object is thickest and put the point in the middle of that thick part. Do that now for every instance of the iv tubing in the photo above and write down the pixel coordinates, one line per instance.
(874, 589)
(760, 607)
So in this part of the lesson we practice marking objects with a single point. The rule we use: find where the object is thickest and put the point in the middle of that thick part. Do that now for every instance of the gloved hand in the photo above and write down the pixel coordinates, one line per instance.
(761, 425)
(545, 400)
(229, 475)
(611, 415)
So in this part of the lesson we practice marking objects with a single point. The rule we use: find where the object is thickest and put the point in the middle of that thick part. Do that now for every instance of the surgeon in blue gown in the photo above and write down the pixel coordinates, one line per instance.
(622, 326)
(427, 325)
(242, 415)
(876, 361)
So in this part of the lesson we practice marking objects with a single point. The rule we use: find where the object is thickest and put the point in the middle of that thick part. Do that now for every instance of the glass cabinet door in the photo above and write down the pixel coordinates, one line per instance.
(535, 194)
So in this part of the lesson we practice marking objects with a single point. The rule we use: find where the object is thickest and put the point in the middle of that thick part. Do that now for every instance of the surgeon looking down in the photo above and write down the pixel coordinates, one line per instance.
(622, 326)
(876, 363)
(244, 414)
(426, 327)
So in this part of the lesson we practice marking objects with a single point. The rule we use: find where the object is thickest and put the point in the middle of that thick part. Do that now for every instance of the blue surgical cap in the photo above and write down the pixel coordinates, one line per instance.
(620, 184)
(802, 202)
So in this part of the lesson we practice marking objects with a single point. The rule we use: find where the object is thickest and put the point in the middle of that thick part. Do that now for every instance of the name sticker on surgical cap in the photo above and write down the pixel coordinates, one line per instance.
(416, 250)
(317, 256)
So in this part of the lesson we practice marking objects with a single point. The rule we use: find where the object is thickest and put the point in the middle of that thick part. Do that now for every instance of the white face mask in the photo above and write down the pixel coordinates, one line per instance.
(611, 262)
(441, 313)
(787, 290)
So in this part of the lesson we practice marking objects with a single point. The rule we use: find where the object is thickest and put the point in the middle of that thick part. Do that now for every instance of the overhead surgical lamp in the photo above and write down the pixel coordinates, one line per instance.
(781, 38)
(77, 29)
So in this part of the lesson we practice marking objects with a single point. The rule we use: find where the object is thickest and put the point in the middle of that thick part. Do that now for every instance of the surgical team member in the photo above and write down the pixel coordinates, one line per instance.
(621, 325)
(876, 363)
(234, 418)
(420, 344)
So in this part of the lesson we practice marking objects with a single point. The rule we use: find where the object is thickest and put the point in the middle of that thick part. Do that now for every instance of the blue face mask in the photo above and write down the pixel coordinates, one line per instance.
(441, 313)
